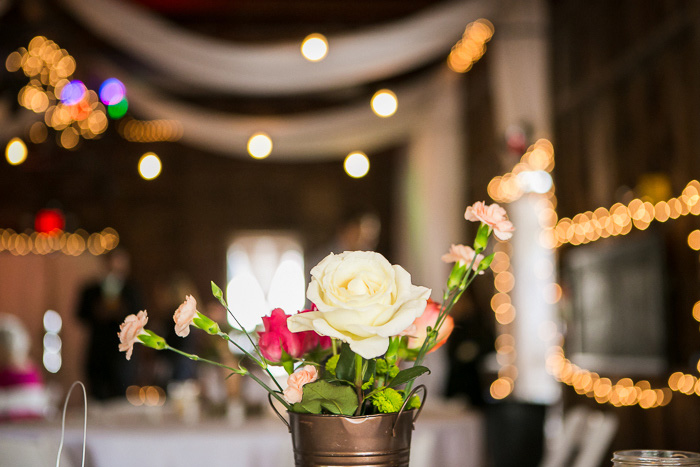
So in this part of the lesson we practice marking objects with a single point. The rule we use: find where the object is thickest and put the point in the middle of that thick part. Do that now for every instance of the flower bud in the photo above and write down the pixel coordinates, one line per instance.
(152, 340)
(206, 324)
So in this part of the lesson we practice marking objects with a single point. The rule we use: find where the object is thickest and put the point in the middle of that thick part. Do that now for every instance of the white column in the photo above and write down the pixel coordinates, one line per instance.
(521, 95)
(430, 210)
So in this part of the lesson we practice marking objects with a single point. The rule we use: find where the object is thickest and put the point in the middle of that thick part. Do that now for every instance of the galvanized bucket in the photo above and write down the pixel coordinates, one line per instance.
(368, 441)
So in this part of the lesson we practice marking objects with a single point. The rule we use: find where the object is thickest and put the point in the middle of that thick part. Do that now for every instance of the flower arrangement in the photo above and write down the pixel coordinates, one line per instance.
(343, 354)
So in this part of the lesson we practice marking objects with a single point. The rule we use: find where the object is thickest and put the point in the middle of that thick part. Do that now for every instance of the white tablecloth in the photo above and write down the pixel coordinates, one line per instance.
(444, 436)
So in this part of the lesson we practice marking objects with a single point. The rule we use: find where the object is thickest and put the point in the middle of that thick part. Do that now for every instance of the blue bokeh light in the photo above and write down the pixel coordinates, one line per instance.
(73, 92)
(112, 91)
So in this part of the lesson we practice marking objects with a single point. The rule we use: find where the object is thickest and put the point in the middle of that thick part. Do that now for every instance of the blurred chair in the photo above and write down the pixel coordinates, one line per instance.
(584, 441)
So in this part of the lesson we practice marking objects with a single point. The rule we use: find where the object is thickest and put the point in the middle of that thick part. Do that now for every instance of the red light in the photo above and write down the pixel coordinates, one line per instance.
(48, 220)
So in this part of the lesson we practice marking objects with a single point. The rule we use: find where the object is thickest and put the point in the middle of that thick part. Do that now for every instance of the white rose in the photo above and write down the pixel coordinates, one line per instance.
(362, 300)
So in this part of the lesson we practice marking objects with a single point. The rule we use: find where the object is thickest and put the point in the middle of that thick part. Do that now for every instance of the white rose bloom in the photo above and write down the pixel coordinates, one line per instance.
(362, 300)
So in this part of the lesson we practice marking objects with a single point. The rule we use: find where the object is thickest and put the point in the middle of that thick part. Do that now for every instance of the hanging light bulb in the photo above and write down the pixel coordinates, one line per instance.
(16, 151)
(149, 166)
(384, 103)
(259, 145)
(356, 164)
(314, 47)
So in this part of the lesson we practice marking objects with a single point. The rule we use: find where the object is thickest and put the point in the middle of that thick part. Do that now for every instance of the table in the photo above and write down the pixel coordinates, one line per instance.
(445, 435)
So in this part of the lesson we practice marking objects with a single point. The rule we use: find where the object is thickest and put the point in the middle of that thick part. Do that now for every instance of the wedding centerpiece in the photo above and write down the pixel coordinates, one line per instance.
(343, 355)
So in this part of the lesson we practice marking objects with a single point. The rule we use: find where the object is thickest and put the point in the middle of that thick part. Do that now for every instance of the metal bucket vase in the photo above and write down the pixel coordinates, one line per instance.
(368, 441)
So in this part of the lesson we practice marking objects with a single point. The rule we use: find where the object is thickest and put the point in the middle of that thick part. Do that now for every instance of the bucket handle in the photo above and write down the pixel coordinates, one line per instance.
(403, 406)
(284, 420)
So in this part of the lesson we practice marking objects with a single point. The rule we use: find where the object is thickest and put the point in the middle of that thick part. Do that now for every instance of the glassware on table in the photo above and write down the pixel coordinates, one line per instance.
(643, 458)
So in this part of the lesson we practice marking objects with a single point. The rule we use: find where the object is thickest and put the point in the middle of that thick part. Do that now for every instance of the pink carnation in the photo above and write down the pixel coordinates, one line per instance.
(463, 255)
(184, 315)
(494, 216)
(297, 380)
(277, 337)
(129, 331)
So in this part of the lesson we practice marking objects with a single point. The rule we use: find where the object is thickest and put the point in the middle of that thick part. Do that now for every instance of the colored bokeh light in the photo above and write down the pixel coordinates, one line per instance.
(118, 110)
(259, 145)
(112, 91)
(49, 220)
(73, 92)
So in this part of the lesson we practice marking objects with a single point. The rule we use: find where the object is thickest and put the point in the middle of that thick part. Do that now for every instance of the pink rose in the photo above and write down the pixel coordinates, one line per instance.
(464, 255)
(429, 318)
(277, 337)
(297, 380)
(494, 216)
(184, 315)
(129, 331)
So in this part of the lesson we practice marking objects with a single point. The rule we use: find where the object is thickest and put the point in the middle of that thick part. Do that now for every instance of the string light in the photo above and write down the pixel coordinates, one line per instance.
(69, 107)
(582, 228)
(356, 164)
(259, 145)
(150, 131)
(384, 103)
(149, 166)
(16, 151)
(314, 47)
(72, 244)
(471, 47)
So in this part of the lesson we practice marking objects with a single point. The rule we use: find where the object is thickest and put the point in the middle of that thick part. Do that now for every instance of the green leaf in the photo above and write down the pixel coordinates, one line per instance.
(331, 365)
(345, 369)
(319, 395)
(409, 374)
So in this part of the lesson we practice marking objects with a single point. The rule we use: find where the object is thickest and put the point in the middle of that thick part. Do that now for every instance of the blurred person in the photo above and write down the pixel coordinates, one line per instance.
(22, 393)
(103, 307)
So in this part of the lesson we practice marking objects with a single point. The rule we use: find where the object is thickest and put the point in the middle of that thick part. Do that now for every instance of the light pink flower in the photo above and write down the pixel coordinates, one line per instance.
(463, 255)
(297, 380)
(184, 315)
(494, 216)
(429, 318)
(129, 331)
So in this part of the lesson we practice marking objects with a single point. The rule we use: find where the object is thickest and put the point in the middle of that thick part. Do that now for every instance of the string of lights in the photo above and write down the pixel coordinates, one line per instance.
(582, 228)
(72, 244)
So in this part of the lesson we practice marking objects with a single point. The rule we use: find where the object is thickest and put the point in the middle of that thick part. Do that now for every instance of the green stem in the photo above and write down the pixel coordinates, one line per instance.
(261, 364)
(358, 382)
(237, 371)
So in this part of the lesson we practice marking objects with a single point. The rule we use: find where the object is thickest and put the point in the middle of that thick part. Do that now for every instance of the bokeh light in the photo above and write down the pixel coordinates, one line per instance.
(112, 91)
(356, 164)
(118, 110)
(314, 47)
(16, 151)
(149, 166)
(73, 92)
(259, 145)
(384, 103)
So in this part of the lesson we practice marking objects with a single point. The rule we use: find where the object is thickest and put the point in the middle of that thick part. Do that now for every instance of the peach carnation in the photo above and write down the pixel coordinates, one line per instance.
(297, 380)
(184, 315)
(464, 255)
(492, 215)
(130, 330)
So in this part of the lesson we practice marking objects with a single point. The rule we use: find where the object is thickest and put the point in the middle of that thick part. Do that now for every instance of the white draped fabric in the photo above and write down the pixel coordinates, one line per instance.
(365, 56)
(326, 134)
